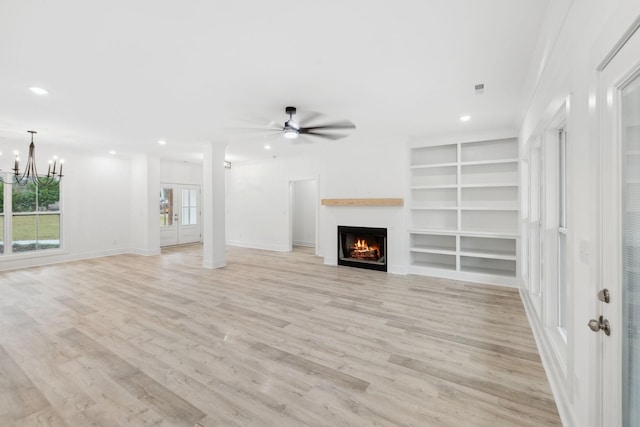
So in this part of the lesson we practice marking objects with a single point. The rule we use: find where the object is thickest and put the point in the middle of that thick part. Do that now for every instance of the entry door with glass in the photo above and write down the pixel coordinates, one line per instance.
(179, 214)
(618, 320)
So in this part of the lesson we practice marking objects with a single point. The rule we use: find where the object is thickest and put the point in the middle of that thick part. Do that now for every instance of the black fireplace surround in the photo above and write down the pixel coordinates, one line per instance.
(362, 247)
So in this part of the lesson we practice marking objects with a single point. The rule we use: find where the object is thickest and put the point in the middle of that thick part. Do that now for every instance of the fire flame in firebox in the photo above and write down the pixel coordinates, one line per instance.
(361, 249)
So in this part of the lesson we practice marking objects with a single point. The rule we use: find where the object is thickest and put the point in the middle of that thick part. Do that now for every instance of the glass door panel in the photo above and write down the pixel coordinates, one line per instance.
(166, 207)
(189, 207)
(631, 255)
(168, 215)
(1, 218)
(189, 227)
(179, 214)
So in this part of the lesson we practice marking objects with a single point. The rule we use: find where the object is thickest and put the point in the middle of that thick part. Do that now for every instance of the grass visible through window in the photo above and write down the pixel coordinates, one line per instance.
(29, 229)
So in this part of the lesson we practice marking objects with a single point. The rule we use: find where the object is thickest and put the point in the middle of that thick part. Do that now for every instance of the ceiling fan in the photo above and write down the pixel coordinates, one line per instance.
(292, 128)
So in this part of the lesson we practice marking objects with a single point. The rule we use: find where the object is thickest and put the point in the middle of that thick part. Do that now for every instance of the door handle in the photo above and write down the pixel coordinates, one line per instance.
(604, 295)
(600, 324)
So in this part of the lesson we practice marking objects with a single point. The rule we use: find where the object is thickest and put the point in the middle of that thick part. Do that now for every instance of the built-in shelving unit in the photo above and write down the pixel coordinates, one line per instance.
(363, 202)
(464, 210)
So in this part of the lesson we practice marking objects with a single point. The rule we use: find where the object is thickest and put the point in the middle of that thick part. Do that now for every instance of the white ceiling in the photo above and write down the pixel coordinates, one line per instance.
(123, 74)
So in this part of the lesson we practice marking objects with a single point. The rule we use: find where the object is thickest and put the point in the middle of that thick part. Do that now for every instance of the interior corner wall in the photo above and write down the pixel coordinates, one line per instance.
(575, 37)
(361, 166)
(257, 201)
(95, 201)
(304, 210)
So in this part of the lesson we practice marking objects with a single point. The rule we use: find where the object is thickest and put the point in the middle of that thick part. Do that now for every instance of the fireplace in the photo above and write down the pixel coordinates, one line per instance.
(362, 247)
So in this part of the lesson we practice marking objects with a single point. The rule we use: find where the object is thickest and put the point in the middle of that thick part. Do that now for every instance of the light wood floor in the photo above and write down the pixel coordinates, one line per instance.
(273, 339)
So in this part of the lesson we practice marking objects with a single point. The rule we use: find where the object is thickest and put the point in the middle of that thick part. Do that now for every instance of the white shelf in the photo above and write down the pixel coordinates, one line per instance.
(464, 210)
(433, 231)
(488, 162)
(443, 251)
(433, 208)
(489, 208)
(489, 271)
(433, 187)
(490, 254)
(436, 165)
(434, 265)
(494, 150)
(469, 233)
(436, 197)
(434, 155)
(499, 197)
(490, 234)
(500, 267)
(490, 185)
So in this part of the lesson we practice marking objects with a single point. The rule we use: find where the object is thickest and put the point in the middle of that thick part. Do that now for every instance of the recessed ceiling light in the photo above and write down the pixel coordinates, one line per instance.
(113, 152)
(162, 142)
(465, 118)
(38, 90)
(267, 147)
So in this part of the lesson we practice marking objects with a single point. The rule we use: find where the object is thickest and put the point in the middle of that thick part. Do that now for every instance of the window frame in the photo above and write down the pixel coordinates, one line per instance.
(7, 219)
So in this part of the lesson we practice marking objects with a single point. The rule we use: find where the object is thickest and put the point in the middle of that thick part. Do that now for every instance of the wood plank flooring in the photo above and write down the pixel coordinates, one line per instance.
(273, 339)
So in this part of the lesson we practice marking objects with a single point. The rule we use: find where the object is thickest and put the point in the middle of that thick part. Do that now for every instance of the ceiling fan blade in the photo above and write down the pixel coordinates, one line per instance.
(338, 125)
(255, 130)
(308, 117)
(325, 135)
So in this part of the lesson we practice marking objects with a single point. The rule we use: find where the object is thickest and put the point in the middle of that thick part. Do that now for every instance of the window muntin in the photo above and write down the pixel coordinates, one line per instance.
(189, 207)
(35, 217)
(562, 230)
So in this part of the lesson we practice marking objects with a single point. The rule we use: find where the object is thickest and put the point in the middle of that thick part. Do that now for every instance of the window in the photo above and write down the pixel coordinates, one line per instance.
(35, 223)
(554, 239)
(30, 220)
(189, 207)
(1, 218)
(562, 230)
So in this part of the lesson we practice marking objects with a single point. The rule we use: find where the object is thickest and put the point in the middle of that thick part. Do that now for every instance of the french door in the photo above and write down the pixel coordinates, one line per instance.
(179, 214)
(618, 319)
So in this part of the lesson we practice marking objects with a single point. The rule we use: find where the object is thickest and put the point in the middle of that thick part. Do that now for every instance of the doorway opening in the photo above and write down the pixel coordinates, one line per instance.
(179, 214)
(303, 214)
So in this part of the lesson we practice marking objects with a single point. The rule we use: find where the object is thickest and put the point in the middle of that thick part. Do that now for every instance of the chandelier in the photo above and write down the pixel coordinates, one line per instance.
(30, 173)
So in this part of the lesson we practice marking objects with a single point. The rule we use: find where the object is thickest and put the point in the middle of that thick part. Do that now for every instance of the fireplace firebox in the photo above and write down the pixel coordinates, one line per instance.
(362, 247)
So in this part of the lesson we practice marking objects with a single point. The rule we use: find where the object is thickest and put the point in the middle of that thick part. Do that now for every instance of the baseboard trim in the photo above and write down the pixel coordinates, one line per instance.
(146, 252)
(42, 259)
(551, 366)
(305, 244)
(260, 246)
(213, 264)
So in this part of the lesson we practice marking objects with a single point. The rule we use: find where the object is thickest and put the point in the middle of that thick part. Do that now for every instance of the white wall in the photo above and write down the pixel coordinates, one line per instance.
(304, 203)
(361, 166)
(108, 204)
(145, 230)
(96, 209)
(257, 201)
(173, 172)
(576, 36)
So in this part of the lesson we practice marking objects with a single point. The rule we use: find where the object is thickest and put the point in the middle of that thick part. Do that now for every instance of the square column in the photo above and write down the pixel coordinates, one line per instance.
(213, 206)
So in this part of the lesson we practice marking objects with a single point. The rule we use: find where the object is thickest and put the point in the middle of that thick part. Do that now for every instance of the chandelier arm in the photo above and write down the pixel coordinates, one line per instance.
(30, 172)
